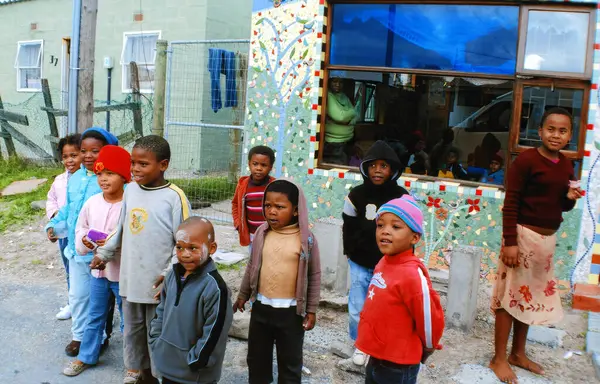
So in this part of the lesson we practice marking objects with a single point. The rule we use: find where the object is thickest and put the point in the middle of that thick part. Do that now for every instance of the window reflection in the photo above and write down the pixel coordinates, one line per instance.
(465, 38)
(556, 41)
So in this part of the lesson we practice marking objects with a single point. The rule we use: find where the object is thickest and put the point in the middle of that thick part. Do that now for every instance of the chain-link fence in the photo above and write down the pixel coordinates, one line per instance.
(38, 129)
(205, 109)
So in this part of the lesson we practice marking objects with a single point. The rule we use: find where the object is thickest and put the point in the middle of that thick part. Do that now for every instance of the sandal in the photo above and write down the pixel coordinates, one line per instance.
(75, 368)
(132, 377)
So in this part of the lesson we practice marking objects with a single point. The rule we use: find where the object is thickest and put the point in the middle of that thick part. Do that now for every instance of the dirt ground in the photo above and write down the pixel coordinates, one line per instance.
(29, 263)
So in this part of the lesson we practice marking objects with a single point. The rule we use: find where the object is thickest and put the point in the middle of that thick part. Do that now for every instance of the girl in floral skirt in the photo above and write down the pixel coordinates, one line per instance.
(541, 186)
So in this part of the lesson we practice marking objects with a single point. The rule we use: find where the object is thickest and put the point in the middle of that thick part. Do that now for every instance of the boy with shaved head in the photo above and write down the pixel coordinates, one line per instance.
(189, 333)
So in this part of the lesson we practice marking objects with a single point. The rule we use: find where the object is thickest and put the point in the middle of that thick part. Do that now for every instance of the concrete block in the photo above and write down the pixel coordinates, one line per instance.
(240, 325)
(463, 287)
(592, 342)
(478, 374)
(439, 280)
(339, 303)
(39, 205)
(23, 186)
(348, 366)
(594, 322)
(342, 350)
(334, 265)
(551, 337)
(586, 297)
(596, 363)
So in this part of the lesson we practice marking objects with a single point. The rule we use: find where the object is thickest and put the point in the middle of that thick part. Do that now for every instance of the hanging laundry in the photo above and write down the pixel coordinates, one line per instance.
(224, 62)
(230, 71)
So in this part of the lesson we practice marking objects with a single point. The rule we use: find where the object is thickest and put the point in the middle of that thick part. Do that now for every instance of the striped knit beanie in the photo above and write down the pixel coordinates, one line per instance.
(407, 209)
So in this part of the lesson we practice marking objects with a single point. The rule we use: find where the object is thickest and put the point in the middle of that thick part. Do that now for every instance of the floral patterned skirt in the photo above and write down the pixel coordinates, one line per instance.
(529, 291)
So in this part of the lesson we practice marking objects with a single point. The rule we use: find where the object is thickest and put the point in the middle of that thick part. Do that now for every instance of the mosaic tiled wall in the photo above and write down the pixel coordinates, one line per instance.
(284, 97)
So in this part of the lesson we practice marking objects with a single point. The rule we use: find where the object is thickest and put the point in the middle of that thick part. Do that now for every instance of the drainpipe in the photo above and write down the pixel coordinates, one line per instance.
(74, 67)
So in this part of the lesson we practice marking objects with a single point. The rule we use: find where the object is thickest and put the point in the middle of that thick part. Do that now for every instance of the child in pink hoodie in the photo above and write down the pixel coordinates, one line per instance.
(70, 153)
(100, 215)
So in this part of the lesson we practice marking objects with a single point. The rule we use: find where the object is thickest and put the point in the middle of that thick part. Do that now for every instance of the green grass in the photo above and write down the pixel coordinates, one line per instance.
(16, 210)
(233, 267)
(207, 189)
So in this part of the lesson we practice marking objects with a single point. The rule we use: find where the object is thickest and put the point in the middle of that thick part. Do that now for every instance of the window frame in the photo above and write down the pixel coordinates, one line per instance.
(18, 67)
(522, 41)
(125, 88)
(513, 145)
(520, 78)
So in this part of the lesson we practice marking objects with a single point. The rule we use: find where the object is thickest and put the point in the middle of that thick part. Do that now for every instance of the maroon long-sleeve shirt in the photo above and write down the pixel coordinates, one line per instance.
(536, 193)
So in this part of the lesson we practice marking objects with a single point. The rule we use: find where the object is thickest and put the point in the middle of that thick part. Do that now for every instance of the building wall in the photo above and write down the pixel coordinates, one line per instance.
(284, 114)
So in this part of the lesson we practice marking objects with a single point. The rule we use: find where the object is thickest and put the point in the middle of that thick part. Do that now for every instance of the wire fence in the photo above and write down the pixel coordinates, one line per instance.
(38, 129)
(205, 110)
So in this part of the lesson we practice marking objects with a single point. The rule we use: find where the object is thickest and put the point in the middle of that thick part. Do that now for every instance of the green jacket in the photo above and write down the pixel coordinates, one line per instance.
(340, 116)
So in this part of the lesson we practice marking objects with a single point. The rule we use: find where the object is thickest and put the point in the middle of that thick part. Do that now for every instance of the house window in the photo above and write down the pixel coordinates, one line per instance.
(141, 49)
(433, 79)
(28, 64)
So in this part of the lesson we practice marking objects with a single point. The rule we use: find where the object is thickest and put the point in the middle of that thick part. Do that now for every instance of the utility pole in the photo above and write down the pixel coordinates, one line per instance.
(86, 63)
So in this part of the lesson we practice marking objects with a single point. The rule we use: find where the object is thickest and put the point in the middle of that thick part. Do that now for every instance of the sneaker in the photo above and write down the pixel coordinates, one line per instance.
(359, 357)
(132, 377)
(75, 368)
(64, 313)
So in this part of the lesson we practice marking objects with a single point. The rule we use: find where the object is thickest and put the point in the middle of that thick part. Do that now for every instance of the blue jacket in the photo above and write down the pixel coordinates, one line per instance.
(82, 185)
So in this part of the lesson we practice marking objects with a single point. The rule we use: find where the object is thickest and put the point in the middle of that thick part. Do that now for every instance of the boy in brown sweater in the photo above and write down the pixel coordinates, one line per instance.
(283, 281)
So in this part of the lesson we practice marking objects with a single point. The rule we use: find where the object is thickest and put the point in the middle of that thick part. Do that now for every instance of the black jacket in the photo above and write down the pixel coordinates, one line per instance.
(362, 203)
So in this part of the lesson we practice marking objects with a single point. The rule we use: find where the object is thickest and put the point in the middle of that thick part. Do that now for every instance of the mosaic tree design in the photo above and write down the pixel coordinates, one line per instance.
(283, 46)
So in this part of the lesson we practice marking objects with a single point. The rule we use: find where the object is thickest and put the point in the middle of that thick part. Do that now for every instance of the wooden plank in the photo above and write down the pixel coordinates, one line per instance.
(126, 138)
(134, 83)
(51, 118)
(13, 117)
(8, 141)
(160, 80)
(52, 139)
(25, 141)
(85, 75)
(103, 108)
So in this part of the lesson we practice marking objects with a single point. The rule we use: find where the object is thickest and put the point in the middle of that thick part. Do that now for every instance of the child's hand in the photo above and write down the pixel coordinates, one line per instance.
(575, 193)
(309, 321)
(97, 263)
(50, 234)
(87, 243)
(158, 281)
(427, 352)
(510, 256)
(239, 305)
(101, 242)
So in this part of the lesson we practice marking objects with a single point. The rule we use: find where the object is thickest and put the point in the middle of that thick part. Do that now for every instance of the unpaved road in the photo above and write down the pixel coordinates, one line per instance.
(32, 342)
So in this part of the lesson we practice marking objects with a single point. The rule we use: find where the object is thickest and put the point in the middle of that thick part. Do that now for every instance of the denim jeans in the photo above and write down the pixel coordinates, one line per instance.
(62, 244)
(360, 278)
(100, 296)
(381, 372)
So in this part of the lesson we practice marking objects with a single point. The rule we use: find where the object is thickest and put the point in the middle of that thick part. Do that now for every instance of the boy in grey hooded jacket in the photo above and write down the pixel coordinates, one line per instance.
(188, 336)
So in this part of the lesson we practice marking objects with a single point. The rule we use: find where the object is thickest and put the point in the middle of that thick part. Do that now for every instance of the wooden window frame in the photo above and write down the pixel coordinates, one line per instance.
(515, 126)
(522, 40)
(531, 78)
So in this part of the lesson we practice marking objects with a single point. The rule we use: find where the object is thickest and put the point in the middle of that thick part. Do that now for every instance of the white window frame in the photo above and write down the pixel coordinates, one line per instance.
(124, 78)
(19, 68)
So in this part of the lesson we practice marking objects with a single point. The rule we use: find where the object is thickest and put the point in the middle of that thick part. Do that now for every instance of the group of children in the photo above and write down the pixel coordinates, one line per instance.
(130, 236)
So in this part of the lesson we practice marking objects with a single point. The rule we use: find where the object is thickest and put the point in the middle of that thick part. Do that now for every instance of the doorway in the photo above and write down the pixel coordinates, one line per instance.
(64, 83)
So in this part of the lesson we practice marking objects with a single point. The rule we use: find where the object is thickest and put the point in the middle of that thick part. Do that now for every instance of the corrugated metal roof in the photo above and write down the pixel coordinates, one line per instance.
(5, 2)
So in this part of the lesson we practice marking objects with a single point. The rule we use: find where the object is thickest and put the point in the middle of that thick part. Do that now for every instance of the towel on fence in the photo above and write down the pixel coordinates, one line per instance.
(221, 61)
(215, 62)
(230, 70)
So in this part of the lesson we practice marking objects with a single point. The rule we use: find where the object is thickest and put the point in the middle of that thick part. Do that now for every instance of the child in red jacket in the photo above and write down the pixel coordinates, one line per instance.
(246, 206)
(398, 344)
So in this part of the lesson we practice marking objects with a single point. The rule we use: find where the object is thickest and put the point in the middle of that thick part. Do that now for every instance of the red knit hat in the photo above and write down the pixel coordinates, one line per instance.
(114, 159)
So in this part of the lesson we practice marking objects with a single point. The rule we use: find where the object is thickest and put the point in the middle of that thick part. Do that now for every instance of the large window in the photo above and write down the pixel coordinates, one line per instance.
(438, 81)
(28, 64)
(141, 49)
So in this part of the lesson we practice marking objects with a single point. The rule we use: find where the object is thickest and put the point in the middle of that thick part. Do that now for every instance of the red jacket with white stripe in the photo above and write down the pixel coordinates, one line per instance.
(402, 313)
